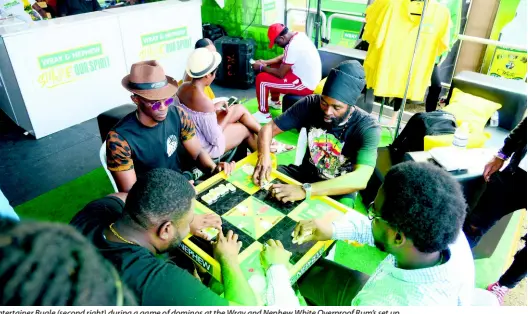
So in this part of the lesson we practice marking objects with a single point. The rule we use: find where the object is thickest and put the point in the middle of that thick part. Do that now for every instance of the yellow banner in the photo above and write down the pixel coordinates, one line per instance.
(508, 63)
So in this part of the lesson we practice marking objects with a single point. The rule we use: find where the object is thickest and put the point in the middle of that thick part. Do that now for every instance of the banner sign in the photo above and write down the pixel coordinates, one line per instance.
(161, 44)
(508, 63)
(67, 66)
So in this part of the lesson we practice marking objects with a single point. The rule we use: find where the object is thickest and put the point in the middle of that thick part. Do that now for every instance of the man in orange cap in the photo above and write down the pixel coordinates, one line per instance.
(297, 71)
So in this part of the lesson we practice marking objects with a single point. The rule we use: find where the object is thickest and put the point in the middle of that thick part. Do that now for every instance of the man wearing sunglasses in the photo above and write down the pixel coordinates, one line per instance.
(417, 219)
(158, 134)
(342, 140)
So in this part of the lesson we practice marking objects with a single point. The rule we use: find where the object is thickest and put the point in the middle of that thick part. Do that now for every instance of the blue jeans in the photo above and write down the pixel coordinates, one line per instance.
(6, 211)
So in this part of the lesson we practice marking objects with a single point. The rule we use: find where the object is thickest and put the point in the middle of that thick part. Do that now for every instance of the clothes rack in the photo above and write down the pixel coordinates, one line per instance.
(318, 24)
(404, 99)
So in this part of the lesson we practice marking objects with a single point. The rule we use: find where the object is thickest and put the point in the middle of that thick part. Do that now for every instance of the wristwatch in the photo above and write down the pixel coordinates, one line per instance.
(307, 187)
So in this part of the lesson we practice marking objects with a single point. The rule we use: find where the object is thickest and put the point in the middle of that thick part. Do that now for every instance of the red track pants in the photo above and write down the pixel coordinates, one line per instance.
(267, 83)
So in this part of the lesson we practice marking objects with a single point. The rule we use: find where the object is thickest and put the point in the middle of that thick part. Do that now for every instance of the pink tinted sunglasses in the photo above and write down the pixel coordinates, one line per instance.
(156, 105)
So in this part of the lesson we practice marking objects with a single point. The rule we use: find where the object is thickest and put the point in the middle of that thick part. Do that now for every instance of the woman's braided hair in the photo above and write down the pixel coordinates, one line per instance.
(50, 264)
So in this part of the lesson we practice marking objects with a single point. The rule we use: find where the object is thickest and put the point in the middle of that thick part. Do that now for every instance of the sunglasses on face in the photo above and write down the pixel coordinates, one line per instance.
(156, 105)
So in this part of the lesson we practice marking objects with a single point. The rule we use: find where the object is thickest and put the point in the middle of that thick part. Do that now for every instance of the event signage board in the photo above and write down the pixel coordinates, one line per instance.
(272, 12)
(162, 44)
(74, 68)
(508, 63)
(509, 27)
(74, 64)
(71, 76)
(167, 33)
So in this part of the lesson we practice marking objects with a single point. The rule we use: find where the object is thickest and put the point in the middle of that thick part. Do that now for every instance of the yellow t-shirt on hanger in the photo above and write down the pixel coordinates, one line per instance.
(392, 38)
(375, 14)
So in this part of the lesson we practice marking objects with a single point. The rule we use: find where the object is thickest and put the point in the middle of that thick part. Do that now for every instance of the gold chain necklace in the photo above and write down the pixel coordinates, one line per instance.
(119, 236)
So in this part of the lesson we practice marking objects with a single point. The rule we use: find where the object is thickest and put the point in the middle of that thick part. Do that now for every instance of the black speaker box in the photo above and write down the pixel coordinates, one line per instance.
(235, 71)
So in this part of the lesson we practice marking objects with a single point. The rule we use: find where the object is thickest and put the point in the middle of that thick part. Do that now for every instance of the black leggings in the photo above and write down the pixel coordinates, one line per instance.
(432, 96)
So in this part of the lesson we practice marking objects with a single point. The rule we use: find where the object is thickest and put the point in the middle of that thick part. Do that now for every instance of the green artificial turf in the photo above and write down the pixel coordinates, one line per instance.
(62, 203)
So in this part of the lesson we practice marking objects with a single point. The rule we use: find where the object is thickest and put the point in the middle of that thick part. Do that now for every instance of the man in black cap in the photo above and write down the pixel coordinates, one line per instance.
(342, 140)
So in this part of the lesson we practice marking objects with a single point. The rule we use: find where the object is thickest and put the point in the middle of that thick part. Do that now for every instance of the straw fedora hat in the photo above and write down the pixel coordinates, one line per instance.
(202, 61)
(148, 80)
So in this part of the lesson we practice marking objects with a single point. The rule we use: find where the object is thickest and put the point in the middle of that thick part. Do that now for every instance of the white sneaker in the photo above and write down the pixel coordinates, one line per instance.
(261, 117)
(275, 104)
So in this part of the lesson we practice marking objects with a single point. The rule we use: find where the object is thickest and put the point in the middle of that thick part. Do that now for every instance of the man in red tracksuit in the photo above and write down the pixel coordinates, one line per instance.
(297, 71)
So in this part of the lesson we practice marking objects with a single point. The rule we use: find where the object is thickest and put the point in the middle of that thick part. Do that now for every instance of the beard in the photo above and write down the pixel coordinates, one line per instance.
(335, 122)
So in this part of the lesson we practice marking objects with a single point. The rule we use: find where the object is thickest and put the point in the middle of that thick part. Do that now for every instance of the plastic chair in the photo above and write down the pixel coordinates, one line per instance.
(102, 157)
(302, 145)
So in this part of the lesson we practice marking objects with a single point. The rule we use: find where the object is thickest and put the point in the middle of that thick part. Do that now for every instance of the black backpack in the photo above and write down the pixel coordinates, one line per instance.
(421, 124)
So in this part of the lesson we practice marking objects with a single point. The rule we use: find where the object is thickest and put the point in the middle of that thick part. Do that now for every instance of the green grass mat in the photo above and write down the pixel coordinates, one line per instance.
(62, 203)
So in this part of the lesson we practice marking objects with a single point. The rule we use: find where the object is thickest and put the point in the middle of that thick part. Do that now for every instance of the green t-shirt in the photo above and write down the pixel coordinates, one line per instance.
(155, 281)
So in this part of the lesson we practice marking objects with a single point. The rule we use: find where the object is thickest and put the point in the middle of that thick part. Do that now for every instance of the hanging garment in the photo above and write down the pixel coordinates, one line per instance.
(455, 11)
(391, 30)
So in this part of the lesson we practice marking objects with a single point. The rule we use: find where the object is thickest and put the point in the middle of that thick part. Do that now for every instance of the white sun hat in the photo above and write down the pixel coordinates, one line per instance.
(202, 61)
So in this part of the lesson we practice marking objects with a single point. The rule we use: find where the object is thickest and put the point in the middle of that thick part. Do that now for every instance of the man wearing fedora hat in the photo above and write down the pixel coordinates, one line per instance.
(297, 71)
(158, 134)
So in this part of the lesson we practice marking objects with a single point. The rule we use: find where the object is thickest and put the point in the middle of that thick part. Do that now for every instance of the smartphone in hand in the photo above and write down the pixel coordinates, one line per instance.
(231, 101)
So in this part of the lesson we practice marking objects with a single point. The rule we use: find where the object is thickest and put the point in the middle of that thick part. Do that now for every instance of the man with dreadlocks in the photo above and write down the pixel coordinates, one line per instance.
(135, 232)
(48, 264)
(342, 140)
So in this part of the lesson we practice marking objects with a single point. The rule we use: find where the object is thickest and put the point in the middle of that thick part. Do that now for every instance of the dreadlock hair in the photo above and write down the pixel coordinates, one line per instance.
(159, 195)
(49, 264)
(425, 203)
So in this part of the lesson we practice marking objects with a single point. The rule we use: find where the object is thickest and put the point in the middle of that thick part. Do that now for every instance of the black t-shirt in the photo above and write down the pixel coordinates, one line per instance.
(72, 7)
(333, 152)
(131, 145)
(154, 280)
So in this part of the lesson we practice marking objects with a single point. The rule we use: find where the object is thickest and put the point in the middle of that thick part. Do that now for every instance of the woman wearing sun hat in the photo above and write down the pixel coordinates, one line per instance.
(219, 128)
(202, 43)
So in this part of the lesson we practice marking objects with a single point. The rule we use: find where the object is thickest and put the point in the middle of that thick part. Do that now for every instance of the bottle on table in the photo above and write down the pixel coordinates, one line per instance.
(460, 140)
(494, 121)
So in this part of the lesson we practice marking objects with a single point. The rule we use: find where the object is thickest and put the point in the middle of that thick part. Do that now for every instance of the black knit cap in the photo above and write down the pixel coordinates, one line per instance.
(345, 82)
